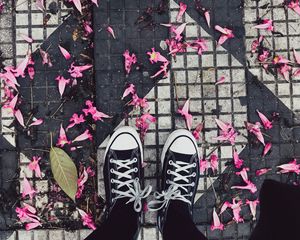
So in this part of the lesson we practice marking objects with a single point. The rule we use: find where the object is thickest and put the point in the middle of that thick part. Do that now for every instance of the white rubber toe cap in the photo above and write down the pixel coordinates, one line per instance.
(183, 145)
(124, 141)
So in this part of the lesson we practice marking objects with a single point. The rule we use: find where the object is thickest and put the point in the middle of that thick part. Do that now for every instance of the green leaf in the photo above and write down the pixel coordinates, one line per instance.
(64, 171)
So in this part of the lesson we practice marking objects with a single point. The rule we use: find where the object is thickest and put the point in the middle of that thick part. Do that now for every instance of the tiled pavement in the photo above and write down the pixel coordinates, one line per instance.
(193, 77)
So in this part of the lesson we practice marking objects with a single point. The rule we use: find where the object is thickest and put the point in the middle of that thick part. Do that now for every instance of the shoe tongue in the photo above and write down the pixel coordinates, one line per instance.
(181, 157)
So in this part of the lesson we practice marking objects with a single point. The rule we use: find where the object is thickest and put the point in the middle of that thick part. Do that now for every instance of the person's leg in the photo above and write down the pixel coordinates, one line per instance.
(122, 223)
(279, 212)
(122, 174)
(180, 160)
(179, 224)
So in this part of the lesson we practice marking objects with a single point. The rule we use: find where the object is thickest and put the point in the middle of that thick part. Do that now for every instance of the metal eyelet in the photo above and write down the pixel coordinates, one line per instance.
(134, 159)
(167, 181)
(136, 170)
(112, 170)
(112, 181)
(194, 164)
(194, 174)
(111, 160)
(113, 190)
(193, 184)
(171, 162)
(169, 172)
(137, 179)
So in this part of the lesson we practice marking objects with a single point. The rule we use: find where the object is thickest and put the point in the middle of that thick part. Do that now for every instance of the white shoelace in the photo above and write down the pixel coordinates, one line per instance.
(173, 192)
(134, 192)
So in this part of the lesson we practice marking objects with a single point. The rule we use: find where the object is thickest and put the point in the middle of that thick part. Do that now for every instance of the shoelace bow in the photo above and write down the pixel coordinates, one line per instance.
(173, 192)
(134, 192)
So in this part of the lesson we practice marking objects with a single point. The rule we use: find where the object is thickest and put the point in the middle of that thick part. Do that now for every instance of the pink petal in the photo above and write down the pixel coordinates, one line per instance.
(216, 222)
(13, 102)
(83, 136)
(27, 189)
(77, 4)
(182, 9)
(40, 5)
(111, 31)
(19, 117)
(221, 80)
(36, 122)
(129, 90)
(220, 29)
(296, 56)
(27, 38)
(207, 17)
(222, 125)
(32, 225)
(267, 124)
(179, 30)
(95, 2)
(20, 70)
(203, 165)
(185, 112)
(237, 161)
(64, 52)
(262, 171)
(252, 206)
(267, 148)
(225, 206)
(214, 162)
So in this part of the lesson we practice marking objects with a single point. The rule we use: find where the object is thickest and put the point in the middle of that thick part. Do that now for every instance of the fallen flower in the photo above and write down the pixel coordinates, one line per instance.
(95, 2)
(266, 24)
(27, 214)
(267, 148)
(62, 82)
(80, 183)
(201, 10)
(214, 162)
(110, 30)
(155, 57)
(203, 165)
(19, 116)
(226, 34)
(182, 9)
(34, 166)
(45, 58)
(252, 206)
(40, 5)
(77, 4)
(27, 38)
(291, 167)
(83, 136)
(178, 31)
(294, 5)
(207, 18)
(250, 186)
(236, 159)
(255, 129)
(36, 122)
(216, 222)
(76, 71)
(164, 70)
(256, 43)
(129, 90)
(262, 171)
(139, 102)
(27, 189)
(236, 208)
(29, 226)
(62, 139)
(296, 56)
(220, 80)
(11, 104)
(200, 45)
(87, 28)
(20, 70)
(142, 123)
(64, 52)
(243, 173)
(87, 219)
(96, 115)
(198, 129)
(129, 60)
(75, 120)
(185, 113)
(266, 123)
(228, 133)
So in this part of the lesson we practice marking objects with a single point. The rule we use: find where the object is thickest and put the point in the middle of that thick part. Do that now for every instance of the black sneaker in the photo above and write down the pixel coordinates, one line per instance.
(180, 175)
(123, 170)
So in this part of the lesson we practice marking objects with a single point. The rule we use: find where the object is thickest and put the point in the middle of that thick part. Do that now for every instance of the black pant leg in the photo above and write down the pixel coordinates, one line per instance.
(122, 223)
(179, 224)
